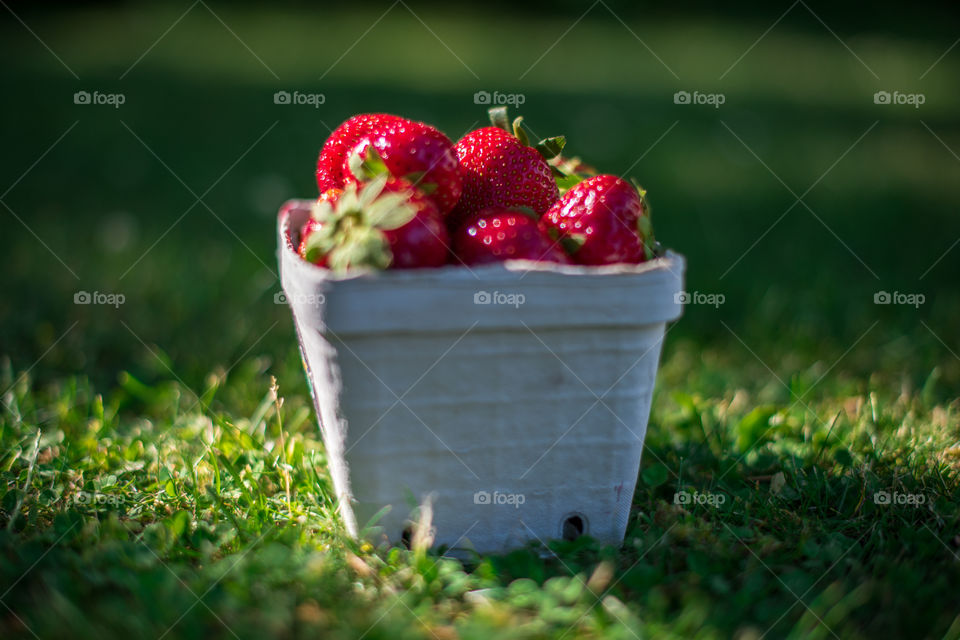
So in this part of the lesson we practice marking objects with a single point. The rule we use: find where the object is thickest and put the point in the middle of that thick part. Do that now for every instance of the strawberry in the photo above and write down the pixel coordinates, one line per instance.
(309, 228)
(330, 164)
(602, 220)
(312, 224)
(497, 234)
(411, 150)
(385, 223)
(422, 242)
(499, 168)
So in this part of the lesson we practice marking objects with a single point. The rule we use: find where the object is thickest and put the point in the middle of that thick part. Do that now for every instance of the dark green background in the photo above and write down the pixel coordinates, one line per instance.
(798, 375)
(202, 291)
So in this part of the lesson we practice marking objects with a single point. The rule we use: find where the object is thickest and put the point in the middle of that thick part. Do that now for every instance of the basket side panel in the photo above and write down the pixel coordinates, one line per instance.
(508, 431)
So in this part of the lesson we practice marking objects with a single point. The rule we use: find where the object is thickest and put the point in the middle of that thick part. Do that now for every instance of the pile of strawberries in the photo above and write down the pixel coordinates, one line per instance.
(398, 194)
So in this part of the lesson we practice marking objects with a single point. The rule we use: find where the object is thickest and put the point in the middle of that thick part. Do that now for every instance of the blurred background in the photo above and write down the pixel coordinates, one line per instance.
(145, 154)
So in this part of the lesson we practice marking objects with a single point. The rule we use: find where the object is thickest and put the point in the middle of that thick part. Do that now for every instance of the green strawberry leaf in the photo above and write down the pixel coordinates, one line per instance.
(572, 242)
(368, 166)
(416, 179)
(519, 133)
(361, 247)
(371, 191)
(551, 147)
(348, 202)
(322, 211)
(499, 118)
(645, 228)
(642, 193)
(566, 182)
(390, 211)
(321, 241)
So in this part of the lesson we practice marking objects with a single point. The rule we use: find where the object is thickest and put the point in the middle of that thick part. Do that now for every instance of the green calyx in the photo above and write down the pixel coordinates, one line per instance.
(351, 233)
(367, 166)
(371, 164)
(548, 147)
(651, 247)
(569, 172)
(571, 242)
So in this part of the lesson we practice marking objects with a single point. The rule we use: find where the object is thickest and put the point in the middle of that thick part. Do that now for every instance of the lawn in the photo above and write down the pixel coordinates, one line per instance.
(154, 485)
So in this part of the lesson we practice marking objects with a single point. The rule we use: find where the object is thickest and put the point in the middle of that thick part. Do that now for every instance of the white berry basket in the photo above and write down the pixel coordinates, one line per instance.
(513, 398)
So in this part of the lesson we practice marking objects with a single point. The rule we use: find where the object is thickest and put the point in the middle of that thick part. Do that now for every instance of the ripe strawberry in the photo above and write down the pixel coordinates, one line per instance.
(385, 223)
(411, 150)
(499, 168)
(423, 241)
(602, 220)
(312, 224)
(330, 164)
(497, 234)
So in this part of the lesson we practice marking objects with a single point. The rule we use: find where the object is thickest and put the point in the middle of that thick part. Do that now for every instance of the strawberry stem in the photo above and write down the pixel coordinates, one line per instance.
(499, 118)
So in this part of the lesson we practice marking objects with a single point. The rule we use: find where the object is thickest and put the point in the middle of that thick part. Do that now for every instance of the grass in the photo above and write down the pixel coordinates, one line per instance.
(154, 510)
(163, 497)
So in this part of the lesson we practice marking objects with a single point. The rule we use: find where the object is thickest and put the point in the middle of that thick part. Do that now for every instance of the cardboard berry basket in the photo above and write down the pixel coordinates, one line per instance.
(514, 397)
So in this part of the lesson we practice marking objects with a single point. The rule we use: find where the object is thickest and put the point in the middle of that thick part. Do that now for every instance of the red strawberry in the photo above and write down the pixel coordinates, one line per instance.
(385, 223)
(497, 234)
(500, 169)
(411, 150)
(602, 220)
(312, 225)
(422, 242)
(330, 164)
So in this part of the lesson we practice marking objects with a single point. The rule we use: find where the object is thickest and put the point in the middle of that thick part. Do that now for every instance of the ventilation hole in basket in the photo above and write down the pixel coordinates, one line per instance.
(406, 538)
(573, 527)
